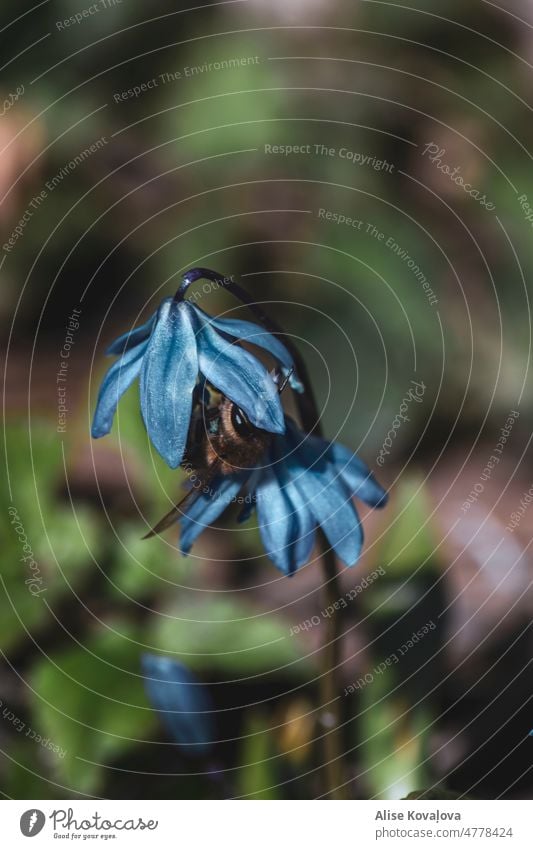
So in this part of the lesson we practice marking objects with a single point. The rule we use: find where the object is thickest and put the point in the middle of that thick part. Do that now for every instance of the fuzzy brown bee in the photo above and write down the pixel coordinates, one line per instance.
(222, 437)
(221, 441)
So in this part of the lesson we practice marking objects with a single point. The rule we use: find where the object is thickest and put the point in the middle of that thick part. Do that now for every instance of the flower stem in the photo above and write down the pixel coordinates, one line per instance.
(329, 689)
(334, 777)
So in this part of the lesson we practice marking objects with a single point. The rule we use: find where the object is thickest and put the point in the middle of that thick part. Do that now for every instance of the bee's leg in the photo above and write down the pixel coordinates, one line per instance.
(174, 515)
(286, 379)
(179, 509)
(250, 499)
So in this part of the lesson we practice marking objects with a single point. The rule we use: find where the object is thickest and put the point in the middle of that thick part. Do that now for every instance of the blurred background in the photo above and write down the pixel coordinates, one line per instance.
(364, 169)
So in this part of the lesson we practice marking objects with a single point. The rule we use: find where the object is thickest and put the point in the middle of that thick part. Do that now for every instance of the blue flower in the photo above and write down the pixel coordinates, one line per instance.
(182, 701)
(303, 483)
(179, 345)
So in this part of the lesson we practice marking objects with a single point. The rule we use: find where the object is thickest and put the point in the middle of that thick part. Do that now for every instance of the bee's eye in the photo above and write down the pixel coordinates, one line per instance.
(240, 421)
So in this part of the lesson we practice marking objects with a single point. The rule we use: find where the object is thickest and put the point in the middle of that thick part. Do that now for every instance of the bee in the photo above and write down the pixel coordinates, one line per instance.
(221, 441)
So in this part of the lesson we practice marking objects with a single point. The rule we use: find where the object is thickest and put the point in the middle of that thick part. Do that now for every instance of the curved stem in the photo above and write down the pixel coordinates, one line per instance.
(334, 778)
(307, 407)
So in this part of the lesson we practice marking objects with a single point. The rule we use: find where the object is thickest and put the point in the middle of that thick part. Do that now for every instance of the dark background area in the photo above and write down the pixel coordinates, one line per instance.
(182, 178)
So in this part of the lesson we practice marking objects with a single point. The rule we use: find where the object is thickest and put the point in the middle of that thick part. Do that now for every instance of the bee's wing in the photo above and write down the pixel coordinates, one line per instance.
(187, 501)
(169, 519)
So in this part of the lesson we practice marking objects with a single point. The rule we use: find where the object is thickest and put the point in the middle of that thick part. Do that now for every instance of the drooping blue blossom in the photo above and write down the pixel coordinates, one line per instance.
(177, 347)
(302, 483)
(182, 702)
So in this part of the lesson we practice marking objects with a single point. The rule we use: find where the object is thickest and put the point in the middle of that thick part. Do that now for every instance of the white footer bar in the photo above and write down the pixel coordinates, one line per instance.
(262, 825)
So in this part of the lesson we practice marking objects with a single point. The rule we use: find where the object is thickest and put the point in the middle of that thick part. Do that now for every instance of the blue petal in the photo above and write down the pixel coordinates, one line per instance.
(327, 498)
(168, 378)
(304, 518)
(277, 522)
(257, 335)
(207, 507)
(182, 701)
(306, 529)
(241, 377)
(353, 471)
(132, 337)
(117, 379)
(357, 476)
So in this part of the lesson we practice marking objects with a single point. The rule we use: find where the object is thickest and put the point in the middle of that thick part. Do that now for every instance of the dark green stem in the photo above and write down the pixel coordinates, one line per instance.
(334, 777)
(329, 686)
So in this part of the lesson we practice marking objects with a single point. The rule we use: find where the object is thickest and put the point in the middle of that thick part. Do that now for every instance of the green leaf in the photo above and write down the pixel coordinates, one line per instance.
(394, 750)
(257, 775)
(410, 539)
(91, 703)
(436, 793)
(58, 559)
(145, 567)
(227, 635)
(28, 765)
(34, 459)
